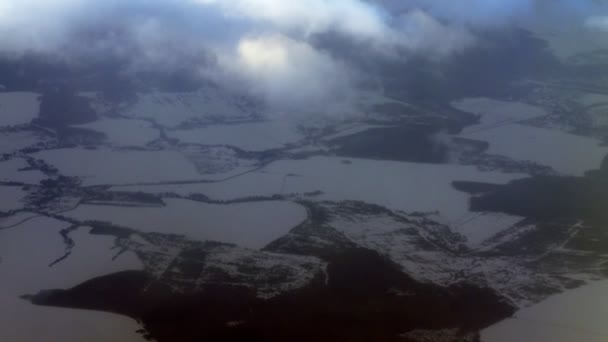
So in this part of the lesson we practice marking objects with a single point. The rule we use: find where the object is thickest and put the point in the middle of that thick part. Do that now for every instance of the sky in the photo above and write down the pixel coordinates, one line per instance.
(270, 45)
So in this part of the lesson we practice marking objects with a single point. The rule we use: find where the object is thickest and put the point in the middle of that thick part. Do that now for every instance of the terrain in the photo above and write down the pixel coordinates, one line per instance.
(431, 213)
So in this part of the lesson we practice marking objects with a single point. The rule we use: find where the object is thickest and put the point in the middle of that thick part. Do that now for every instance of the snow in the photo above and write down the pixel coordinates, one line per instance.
(400, 241)
(298, 270)
(123, 132)
(9, 172)
(253, 224)
(395, 185)
(478, 227)
(576, 315)
(256, 136)
(26, 252)
(11, 197)
(17, 108)
(496, 112)
(566, 153)
(106, 166)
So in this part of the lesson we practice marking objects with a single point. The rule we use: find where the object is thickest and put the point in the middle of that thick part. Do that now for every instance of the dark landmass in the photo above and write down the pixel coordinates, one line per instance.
(546, 198)
(364, 298)
(413, 144)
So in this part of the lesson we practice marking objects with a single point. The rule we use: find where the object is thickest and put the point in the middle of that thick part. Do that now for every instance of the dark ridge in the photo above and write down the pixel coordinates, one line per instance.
(103, 228)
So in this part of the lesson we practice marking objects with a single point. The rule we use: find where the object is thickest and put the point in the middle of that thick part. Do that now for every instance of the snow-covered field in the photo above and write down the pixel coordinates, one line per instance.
(396, 185)
(123, 132)
(252, 224)
(478, 227)
(256, 136)
(17, 108)
(106, 166)
(26, 252)
(576, 315)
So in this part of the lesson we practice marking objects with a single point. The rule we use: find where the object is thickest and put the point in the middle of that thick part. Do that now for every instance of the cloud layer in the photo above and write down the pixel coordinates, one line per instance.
(268, 44)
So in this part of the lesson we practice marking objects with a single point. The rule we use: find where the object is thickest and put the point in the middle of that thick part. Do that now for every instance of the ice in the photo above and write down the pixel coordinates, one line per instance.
(9, 172)
(501, 126)
(395, 185)
(14, 141)
(566, 153)
(106, 166)
(11, 198)
(26, 252)
(122, 132)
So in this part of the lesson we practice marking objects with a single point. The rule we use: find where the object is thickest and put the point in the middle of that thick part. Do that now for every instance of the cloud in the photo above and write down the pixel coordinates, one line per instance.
(598, 23)
(421, 32)
(271, 45)
(354, 17)
(287, 72)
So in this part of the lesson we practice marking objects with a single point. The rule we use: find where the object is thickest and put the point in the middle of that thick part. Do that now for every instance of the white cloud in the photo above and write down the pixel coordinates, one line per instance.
(287, 72)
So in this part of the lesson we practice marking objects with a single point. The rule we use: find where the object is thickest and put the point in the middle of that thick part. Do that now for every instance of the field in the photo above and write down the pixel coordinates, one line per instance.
(106, 166)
